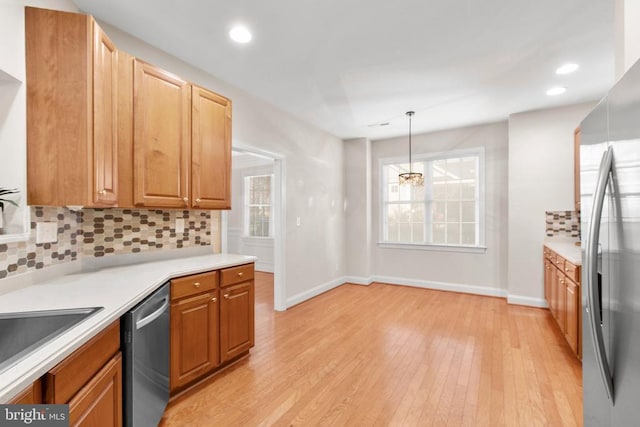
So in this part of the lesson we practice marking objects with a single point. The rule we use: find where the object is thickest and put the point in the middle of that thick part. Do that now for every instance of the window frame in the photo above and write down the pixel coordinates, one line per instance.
(431, 157)
(247, 205)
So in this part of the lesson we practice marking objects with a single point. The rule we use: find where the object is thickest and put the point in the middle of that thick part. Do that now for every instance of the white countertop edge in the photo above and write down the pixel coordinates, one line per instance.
(566, 249)
(34, 366)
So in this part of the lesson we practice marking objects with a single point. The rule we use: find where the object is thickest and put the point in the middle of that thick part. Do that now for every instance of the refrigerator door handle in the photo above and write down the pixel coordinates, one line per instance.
(591, 270)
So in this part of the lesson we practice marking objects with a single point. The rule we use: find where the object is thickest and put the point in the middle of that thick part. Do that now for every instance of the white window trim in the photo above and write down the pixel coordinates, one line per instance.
(480, 247)
(245, 225)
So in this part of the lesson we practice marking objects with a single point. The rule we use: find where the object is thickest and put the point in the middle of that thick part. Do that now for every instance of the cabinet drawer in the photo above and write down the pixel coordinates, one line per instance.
(70, 375)
(559, 262)
(194, 284)
(238, 274)
(572, 271)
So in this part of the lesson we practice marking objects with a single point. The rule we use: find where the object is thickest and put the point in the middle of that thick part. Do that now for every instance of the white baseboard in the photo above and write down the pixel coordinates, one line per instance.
(267, 267)
(320, 289)
(443, 286)
(425, 284)
(358, 280)
(528, 301)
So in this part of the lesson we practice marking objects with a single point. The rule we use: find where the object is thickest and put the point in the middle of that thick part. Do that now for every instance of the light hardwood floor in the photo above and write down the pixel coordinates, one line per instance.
(393, 355)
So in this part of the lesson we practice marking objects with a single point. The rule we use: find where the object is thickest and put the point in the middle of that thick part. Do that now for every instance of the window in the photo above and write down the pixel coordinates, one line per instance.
(258, 205)
(447, 210)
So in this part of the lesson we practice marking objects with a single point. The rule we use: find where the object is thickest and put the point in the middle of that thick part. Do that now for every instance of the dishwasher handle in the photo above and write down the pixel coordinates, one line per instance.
(153, 316)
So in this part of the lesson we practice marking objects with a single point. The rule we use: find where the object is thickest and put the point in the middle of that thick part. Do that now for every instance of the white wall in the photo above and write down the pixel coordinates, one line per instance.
(627, 34)
(13, 115)
(540, 179)
(483, 273)
(358, 185)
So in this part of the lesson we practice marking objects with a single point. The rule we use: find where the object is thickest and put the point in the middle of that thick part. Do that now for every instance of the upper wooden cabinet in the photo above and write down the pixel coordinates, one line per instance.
(106, 129)
(210, 150)
(72, 94)
(181, 142)
(161, 138)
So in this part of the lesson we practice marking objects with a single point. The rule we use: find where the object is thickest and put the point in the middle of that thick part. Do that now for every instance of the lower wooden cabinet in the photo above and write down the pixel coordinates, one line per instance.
(236, 320)
(29, 396)
(194, 338)
(90, 381)
(212, 322)
(99, 403)
(562, 292)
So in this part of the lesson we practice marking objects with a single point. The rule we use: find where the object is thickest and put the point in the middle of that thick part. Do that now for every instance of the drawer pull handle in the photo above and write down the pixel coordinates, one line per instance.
(226, 296)
(197, 284)
(240, 274)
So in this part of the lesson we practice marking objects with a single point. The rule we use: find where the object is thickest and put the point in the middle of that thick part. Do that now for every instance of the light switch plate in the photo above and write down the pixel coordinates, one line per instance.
(46, 232)
(179, 225)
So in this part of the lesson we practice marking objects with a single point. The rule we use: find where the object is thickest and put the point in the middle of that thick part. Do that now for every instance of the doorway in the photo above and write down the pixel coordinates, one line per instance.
(255, 224)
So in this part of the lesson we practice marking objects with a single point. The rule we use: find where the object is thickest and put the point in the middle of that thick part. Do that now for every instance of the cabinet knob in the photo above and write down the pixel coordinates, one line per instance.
(186, 199)
(240, 274)
(197, 200)
(226, 296)
(214, 299)
(102, 192)
(197, 284)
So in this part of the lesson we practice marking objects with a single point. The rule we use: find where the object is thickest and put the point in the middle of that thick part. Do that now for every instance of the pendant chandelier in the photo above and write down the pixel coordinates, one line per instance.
(412, 178)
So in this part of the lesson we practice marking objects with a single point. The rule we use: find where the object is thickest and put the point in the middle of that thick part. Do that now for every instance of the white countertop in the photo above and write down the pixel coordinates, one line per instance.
(116, 289)
(566, 249)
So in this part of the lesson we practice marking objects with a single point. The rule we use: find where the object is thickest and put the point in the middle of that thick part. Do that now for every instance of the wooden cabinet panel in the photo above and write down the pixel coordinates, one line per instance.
(105, 118)
(548, 272)
(29, 396)
(236, 320)
(99, 402)
(560, 299)
(194, 338)
(71, 110)
(211, 150)
(66, 378)
(238, 274)
(572, 309)
(161, 138)
(194, 284)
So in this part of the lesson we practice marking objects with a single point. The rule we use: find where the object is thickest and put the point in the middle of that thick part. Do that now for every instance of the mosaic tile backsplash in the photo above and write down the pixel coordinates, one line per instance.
(102, 232)
(562, 224)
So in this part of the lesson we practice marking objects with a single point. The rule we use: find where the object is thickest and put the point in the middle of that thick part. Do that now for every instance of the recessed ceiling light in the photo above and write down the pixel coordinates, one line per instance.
(240, 34)
(567, 68)
(556, 91)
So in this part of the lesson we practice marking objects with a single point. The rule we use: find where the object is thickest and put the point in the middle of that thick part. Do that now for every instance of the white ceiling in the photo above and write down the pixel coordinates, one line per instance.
(347, 65)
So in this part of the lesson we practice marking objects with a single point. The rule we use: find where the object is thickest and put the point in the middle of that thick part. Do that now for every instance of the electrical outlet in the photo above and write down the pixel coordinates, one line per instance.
(46, 232)
(179, 225)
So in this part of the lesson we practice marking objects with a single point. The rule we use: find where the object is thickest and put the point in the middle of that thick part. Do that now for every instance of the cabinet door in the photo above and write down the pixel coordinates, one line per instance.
(573, 307)
(99, 403)
(211, 150)
(561, 298)
(548, 273)
(29, 396)
(161, 138)
(236, 320)
(194, 338)
(105, 119)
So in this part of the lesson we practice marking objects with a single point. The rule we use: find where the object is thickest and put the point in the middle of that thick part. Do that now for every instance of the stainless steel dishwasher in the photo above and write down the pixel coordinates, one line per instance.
(145, 334)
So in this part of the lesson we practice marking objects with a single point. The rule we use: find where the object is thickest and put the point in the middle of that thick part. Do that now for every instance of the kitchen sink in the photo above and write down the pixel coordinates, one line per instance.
(22, 333)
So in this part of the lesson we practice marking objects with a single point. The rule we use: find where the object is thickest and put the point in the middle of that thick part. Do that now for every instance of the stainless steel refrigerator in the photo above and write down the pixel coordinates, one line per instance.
(610, 224)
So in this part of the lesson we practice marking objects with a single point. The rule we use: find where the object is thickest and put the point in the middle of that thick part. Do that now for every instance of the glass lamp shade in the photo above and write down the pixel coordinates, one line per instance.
(413, 178)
